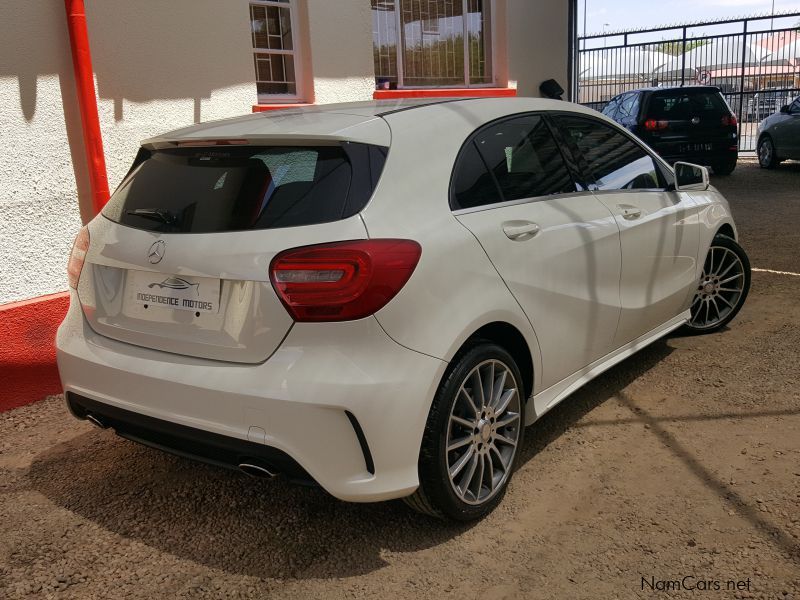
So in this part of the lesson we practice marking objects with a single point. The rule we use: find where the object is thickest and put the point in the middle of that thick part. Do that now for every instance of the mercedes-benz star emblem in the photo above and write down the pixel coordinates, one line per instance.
(156, 252)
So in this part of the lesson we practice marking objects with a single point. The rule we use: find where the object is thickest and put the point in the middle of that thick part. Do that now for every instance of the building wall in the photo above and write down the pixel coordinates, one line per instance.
(163, 65)
(537, 43)
(158, 66)
(340, 38)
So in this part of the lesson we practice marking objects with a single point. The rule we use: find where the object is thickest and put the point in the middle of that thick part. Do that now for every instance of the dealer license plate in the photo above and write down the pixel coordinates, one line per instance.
(157, 290)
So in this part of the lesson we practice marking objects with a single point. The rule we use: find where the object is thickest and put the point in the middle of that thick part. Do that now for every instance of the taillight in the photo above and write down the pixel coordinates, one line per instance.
(342, 281)
(729, 120)
(653, 125)
(77, 257)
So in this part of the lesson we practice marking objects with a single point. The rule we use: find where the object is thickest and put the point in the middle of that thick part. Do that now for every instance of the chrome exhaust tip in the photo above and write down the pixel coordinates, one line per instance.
(256, 471)
(96, 421)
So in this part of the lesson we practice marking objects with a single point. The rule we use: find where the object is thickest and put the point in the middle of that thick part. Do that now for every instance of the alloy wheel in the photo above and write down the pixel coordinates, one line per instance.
(720, 288)
(765, 152)
(483, 432)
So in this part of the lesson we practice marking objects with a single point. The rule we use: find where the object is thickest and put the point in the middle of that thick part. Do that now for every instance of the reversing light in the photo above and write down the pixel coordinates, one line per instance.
(342, 281)
(77, 257)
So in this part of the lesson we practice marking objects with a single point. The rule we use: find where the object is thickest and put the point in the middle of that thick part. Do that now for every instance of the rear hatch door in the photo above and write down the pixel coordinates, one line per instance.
(688, 121)
(179, 260)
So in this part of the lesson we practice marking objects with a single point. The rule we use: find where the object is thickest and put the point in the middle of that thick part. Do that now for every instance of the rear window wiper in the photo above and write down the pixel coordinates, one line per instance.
(155, 214)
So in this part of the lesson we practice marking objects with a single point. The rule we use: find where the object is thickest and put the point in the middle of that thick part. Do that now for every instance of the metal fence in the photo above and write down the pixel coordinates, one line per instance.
(755, 61)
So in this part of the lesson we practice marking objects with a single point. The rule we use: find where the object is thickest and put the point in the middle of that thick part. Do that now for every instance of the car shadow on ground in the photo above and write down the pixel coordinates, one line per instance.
(230, 522)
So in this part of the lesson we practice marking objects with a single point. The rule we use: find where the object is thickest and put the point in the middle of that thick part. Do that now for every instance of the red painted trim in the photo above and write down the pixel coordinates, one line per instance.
(266, 107)
(28, 355)
(445, 93)
(87, 102)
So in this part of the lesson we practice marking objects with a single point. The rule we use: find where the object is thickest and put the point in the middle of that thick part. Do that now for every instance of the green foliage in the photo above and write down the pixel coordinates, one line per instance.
(676, 48)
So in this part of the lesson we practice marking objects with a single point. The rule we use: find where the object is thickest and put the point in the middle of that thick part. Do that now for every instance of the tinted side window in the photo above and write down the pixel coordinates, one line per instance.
(615, 161)
(524, 158)
(472, 183)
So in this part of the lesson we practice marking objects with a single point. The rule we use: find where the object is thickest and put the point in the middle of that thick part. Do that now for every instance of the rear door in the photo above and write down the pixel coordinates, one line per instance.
(179, 260)
(659, 229)
(554, 244)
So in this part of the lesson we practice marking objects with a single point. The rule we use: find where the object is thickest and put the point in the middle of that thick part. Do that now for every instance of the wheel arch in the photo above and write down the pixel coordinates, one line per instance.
(727, 229)
(509, 337)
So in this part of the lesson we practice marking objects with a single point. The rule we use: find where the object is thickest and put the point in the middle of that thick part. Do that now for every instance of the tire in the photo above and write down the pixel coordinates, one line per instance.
(767, 157)
(723, 286)
(476, 490)
(724, 167)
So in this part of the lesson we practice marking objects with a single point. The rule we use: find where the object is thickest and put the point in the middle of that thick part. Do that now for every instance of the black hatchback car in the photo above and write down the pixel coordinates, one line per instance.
(691, 124)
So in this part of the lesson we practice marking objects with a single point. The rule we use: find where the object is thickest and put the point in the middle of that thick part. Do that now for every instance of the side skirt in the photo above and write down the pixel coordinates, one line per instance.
(547, 399)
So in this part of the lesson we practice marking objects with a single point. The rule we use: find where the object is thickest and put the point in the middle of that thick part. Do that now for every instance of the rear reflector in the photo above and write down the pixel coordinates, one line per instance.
(342, 281)
(77, 257)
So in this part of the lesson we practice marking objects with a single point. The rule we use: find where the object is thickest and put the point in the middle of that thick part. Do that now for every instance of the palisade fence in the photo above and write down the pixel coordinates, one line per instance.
(755, 61)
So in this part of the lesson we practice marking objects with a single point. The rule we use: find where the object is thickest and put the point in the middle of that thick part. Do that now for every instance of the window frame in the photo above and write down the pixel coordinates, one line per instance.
(400, 44)
(663, 168)
(575, 174)
(295, 53)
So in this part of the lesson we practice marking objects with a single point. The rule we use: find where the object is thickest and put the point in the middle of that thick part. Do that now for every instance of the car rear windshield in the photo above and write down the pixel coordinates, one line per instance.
(684, 104)
(203, 190)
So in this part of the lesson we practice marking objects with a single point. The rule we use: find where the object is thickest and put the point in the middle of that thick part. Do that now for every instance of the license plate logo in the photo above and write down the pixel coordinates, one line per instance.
(196, 294)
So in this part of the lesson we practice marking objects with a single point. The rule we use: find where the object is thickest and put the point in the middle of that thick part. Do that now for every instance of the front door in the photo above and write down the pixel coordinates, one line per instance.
(659, 229)
(787, 133)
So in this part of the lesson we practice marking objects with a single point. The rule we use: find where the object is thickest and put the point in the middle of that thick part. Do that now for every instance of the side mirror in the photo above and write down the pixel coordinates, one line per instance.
(690, 177)
(785, 108)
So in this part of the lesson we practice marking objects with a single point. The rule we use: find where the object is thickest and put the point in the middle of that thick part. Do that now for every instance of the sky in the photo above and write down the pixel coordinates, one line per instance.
(628, 14)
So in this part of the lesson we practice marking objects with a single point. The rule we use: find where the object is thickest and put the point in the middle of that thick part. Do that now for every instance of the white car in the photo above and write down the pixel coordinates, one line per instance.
(380, 297)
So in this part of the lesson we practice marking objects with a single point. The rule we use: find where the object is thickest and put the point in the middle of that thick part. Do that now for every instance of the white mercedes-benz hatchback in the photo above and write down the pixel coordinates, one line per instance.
(380, 297)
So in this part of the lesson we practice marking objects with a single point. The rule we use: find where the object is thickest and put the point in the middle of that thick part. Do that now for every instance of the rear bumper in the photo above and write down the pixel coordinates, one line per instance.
(306, 403)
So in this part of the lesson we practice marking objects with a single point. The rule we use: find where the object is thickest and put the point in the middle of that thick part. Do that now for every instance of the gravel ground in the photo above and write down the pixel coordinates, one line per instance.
(682, 461)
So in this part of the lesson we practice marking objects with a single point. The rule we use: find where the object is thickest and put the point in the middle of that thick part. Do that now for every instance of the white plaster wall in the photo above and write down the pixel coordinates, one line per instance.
(340, 45)
(537, 43)
(158, 66)
(38, 201)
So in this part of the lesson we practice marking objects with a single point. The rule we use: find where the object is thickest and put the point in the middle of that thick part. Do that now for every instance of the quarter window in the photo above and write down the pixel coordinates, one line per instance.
(511, 160)
(615, 161)
(273, 49)
(432, 43)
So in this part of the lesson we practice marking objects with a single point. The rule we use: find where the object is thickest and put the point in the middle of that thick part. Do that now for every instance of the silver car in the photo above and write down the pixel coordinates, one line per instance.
(779, 136)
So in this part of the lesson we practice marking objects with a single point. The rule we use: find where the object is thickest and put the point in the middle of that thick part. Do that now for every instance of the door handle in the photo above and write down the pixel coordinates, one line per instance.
(520, 230)
(630, 212)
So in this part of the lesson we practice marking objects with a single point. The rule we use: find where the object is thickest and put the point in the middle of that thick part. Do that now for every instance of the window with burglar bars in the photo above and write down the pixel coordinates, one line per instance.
(432, 43)
(273, 49)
